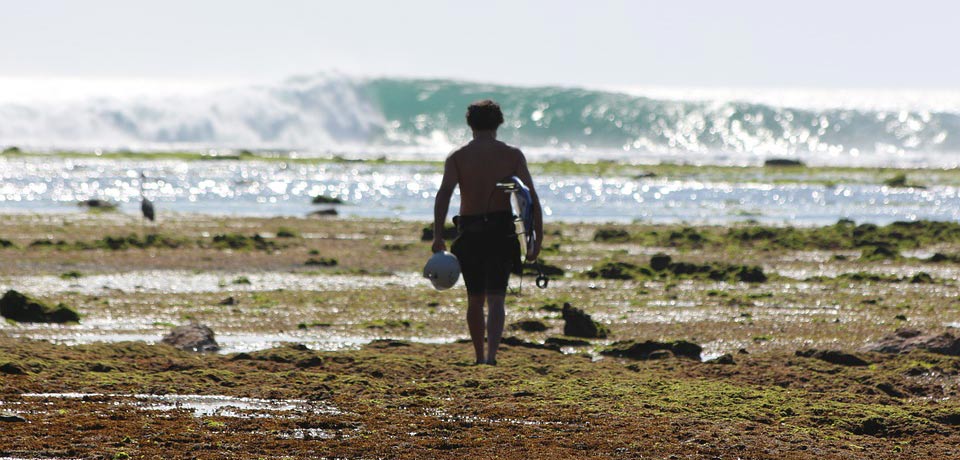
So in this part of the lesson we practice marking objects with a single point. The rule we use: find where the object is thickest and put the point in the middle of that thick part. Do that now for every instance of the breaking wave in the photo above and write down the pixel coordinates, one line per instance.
(424, 118)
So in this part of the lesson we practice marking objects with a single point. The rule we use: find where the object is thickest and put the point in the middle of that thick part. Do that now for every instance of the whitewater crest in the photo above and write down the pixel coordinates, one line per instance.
(325, 114)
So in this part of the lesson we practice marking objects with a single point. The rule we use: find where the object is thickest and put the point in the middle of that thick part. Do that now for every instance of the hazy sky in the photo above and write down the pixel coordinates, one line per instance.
(711, 43)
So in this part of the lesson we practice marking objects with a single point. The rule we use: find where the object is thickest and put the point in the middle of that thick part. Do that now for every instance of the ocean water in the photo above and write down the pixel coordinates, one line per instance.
(395, 118)
(421, 118)
(406, 191)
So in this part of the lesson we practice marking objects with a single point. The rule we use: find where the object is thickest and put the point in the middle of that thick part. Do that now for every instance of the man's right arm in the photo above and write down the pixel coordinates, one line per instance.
(442, 203)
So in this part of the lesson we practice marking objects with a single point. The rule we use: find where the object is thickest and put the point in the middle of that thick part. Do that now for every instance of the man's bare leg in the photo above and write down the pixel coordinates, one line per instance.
(495, 319)
(475, 323)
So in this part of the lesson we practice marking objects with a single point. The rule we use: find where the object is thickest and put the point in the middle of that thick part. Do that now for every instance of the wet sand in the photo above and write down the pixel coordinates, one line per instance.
(412, 393)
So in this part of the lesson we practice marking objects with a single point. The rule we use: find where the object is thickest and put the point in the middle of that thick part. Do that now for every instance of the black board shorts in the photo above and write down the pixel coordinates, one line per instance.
(488, 251)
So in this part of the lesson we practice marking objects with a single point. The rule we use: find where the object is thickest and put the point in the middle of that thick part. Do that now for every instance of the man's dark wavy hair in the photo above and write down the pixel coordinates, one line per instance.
(484, 115)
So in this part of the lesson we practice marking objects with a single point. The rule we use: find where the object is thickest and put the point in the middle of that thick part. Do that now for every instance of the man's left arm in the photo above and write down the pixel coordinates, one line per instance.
(524, 174)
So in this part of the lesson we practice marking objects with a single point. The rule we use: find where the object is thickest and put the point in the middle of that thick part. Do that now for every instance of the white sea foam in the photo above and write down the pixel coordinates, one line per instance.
(330, 114)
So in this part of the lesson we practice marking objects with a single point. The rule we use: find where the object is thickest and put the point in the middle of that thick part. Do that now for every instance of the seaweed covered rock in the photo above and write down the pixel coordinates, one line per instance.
(833, 357)
(905, 340)
(653, 350)
(323, 213)
(96, 203)
(192, 337)
(26, 309)
(577, 323)
(615, 235)
(529, 325)
(615, 270)
(783, 162)
(660, 261)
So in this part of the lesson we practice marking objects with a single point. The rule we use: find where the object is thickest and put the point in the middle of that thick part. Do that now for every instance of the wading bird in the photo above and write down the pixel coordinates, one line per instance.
(146, 206)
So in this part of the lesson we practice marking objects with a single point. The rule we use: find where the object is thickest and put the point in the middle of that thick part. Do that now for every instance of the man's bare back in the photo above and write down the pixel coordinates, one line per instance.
(480, 165)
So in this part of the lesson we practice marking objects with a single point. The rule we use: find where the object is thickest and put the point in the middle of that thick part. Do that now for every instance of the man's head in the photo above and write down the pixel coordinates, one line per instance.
(484, 115)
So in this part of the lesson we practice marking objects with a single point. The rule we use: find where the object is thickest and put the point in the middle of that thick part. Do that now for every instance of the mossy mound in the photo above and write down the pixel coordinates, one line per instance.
(152, 240)
(833, 357)
(530, 325)
(845, 234)
(649, 349)
(578, 323)
(662, 266)
(238, 241)
(617, 270)
(322, 262)
(294, 353)
(26, 309)
(611, 235)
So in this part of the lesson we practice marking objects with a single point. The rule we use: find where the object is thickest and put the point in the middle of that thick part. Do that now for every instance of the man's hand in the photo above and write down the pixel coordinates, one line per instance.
(439, 245)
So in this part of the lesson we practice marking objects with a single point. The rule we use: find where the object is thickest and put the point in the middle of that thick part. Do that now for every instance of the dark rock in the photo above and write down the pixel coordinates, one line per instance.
(615, 270)
(95, 203)
(323, 213)
(642, 350)
(322, 261)
(530, 325)
(751, 274)
(660, 354)
(321, 199)
(723, 359)
(389, 343)
(534, 269)
(101, 367)
(579, 324)
(12, 369)
(192, 337)
(833, 357)
(11, 418)
(645, 175)
(6, 243)
(551, 307)
(773, 162)
(229, 301)
(310, 361)
(879, 252)
(565, 342)
(611, 235)
(905, 340)
(26, 309)
(890, 390)
(660, 261)
(922, 278)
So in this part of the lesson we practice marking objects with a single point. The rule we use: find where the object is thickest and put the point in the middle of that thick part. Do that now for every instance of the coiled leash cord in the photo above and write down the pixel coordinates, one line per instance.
(542, 280)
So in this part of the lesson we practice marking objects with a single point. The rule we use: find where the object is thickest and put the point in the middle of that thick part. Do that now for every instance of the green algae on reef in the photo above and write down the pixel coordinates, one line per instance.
(404, 400)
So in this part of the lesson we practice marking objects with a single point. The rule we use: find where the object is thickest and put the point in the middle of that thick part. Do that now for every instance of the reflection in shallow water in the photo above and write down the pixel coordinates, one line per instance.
(188, 282)
(201, 405)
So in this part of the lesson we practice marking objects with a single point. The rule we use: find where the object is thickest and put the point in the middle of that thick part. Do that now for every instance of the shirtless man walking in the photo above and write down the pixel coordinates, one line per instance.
(487, 248)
